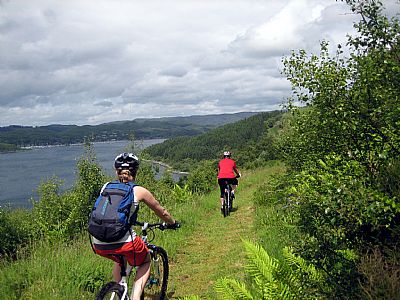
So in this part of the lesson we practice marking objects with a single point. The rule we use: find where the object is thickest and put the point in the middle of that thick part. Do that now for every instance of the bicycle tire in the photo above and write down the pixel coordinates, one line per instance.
(231, 201)
(228, 203)
(157, 284)
(108, 289)
(228, 199)
(225, 206)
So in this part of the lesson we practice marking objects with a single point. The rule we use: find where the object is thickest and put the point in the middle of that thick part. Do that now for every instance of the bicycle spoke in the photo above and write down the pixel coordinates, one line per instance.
(156, 285)
(111, 291)
(225, 205)
(228, 203)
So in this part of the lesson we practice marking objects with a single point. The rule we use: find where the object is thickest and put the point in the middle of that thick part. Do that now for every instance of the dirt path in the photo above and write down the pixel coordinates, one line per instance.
(215, 249)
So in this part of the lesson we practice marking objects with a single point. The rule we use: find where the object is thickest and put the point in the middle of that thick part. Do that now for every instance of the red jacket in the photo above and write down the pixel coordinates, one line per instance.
(226, 168)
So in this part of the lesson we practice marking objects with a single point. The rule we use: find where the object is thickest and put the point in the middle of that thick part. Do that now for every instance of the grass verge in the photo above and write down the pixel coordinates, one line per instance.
(206, 248)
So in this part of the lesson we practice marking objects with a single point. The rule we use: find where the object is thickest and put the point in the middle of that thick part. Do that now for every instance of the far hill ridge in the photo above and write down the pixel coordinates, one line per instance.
(143, 128)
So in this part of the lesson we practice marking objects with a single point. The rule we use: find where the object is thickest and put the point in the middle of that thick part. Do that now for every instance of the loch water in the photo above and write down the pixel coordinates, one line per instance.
(22, 172)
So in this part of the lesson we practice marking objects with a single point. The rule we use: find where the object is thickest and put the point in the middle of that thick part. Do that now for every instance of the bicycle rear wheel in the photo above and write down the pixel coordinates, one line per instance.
(156, 286)
(225, 208)
(230, 204)
(111, 291)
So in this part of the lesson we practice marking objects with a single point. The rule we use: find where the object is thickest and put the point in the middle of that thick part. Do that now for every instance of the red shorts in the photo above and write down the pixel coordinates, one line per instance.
(135, 252)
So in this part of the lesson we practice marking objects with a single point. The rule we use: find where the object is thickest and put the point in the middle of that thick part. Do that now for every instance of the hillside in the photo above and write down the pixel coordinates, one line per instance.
(197, 251)
(141, 128)
(236, 137)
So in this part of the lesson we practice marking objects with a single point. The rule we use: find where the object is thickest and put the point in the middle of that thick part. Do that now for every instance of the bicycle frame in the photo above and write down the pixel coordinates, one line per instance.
(125, 272)
(227, 199)
(126, 268)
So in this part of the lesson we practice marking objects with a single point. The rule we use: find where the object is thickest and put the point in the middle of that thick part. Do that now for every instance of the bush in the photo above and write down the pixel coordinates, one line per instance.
(49, 210)
(203, 178)
(341, 215)
(15, 231)
(63, 215)
(381, 276)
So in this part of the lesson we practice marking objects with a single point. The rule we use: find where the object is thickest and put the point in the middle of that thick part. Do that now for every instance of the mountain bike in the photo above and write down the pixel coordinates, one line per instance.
(156, 285)
(227, 204)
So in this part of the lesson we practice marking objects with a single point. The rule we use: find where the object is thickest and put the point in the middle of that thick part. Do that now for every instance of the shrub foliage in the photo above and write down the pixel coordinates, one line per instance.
(342, 144)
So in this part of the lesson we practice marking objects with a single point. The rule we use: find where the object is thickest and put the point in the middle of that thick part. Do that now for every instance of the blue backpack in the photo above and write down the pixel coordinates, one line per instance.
(111, 216)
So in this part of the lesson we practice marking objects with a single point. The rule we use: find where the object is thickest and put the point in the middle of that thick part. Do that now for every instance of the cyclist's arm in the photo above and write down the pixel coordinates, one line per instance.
(145, 196)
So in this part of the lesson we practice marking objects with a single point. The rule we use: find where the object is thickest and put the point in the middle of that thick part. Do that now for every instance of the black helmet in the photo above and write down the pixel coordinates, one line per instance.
(126, 161)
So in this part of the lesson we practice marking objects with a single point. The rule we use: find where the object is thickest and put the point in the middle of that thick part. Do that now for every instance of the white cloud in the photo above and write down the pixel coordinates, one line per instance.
(68, 61)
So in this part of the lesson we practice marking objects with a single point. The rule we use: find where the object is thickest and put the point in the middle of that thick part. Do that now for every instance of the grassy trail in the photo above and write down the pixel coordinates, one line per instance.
(214, 249)
(206, 248)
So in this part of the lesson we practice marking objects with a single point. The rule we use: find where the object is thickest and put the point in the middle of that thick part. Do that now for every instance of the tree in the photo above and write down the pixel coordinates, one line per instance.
(353, 102)
(343, 142)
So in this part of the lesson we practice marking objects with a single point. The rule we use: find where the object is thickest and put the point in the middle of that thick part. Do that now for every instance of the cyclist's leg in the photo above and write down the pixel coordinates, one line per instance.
(233, 190)
(142, 274)
(138, 255)
(234, 186)
(222, 187)
(113, 255)
(116, 272)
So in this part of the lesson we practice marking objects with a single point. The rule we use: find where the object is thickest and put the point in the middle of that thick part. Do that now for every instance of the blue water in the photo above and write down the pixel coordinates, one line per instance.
(22, 172)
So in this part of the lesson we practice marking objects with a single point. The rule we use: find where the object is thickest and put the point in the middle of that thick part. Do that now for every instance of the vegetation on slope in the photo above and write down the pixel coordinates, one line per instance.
(68, 269)
(8, 147)
(122, 130)
(343, 152)
(245, 138)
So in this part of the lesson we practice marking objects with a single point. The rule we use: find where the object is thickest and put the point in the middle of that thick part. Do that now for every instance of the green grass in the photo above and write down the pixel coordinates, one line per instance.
(73, 271)
(65, 271)
(206, 248)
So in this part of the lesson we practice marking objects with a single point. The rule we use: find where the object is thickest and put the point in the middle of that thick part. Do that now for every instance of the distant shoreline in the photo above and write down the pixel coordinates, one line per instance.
(167, 166)
(80, 144)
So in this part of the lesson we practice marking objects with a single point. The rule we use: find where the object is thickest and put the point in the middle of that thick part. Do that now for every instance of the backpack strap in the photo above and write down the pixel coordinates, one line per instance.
(132, 184)
(135, 204)
(91, 243)
(104, 186)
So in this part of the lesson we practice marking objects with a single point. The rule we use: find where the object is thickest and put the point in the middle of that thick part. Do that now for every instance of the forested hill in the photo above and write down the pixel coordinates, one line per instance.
(141, 128)
(244, 136)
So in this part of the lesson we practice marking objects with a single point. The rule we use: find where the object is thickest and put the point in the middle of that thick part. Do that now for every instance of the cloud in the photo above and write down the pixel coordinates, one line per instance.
(69, 61)
(104, 103)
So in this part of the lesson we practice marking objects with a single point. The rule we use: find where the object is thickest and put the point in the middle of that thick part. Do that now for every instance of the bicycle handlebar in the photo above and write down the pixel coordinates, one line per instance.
(161, 226)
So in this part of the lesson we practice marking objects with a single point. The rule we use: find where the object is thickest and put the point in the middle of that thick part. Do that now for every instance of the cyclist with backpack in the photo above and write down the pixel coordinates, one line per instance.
(120, 200)
(227, 173)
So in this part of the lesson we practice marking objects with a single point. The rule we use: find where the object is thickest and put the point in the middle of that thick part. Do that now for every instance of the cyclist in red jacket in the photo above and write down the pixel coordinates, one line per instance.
(227, 172)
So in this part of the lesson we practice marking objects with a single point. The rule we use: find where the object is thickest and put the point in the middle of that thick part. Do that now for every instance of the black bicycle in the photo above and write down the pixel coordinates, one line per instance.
(227, 205)
(156, 286)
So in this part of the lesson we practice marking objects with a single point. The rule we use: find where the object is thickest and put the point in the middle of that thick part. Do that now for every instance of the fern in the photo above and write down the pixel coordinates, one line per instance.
(260, 265)
(190, 298)
(232, 289)
(301, 265)
(271, 278)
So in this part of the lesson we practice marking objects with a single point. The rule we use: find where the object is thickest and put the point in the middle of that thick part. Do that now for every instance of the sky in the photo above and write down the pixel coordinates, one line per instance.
(97, 61)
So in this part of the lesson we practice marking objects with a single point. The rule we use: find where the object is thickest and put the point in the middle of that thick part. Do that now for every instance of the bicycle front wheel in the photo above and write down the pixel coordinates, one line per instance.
(111, 291)
(156, 286)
